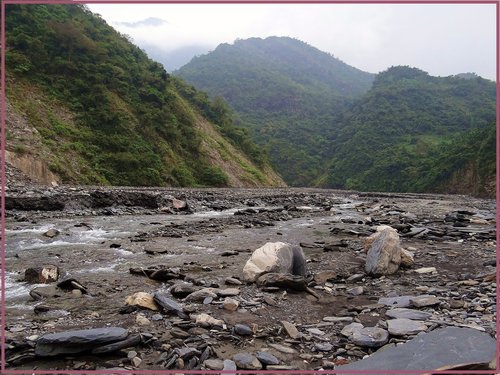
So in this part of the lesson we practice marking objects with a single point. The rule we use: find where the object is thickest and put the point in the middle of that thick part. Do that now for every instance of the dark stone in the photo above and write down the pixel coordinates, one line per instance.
(243, 330)
(187, 353)
(246, 361)
(431, 351)
(41, 275)
(169, 306)
(71, 342)
(128, 342)
(181, 290)
(70, 284)
(267, 358)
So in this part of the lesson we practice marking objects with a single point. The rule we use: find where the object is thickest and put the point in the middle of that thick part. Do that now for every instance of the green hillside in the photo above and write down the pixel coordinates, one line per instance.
(412, 131)
(102, 112)
(286, 92)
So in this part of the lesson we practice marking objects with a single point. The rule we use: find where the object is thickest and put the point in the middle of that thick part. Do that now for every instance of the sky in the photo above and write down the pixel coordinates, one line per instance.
(441, 39)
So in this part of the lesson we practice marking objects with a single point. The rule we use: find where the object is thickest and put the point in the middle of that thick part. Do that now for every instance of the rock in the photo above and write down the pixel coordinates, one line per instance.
(356, 277)
(177, 204)
(399, 313)
(283, 349)
(130, 341)
(403, 326)
(213, 364)
(290, 328)
(229, 292)
(72, 342)
(267, 358)
(70, 284)
(424, 300)
(371, 337)
(276, 257)
(182, 290)
(187, 353)
(51, 233)
(403, 301)
(356, 291)
(206, 320)
(136, 361)
(142, 299)
(229, 365)
(338, 319)
(179, 333)
(243, 330)
(430, 351)
(232, 281)
(41, 275)
(349, 329)
(315, 331)
(230, 304)
(169, 306)
(368, 242)
(283, 281)
(323, 347)
(384, 255)
(246, 361)
(323, 276)
(201, 294)
(407, 258)
(141, 320)
(158, 273)
(77, 293)
(426, 270)
(456, 304)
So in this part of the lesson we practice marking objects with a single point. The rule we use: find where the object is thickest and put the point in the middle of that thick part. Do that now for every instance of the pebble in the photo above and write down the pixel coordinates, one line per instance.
(338, 319)
(292, 331)
(426, 270)
(408, 314)
(243, 330)
(214, 364)
(267, 358)
(246, 361)
(323, 347)
(357, 291)
(229, 365)
(372, 337)
(283, 349)
(424, 300)
(349, 329)
(141, 320)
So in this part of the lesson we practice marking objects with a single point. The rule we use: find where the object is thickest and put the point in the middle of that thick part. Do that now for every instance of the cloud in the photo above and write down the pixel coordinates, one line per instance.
(148, 22)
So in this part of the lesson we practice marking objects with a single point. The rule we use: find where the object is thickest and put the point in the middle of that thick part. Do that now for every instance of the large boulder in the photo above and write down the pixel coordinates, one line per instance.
(276, 257)
(41, 275)
(384, 254)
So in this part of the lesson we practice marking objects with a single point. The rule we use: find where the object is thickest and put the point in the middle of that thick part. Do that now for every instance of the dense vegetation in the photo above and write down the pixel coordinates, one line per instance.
(408, 132)
(411, 131)
(288, 94)
(134, 124)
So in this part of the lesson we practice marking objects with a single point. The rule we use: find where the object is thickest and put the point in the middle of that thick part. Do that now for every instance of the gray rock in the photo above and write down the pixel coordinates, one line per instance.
(283, 349)
(229, 292)
(181, 290)
(403, 301)
(51, 233)
(384, 254)
(267, 358)
(130, 341)
(229, 365)
(201, 294)
(187, 353)
(338, 319)
(408, 314)
(349, 329)
(430, 351)
(214, 364)
(371, 337)
(246, 361)
(403, 326)
(71, 342)
(243, 330)
(424, 300)
(323, 347)
(356, 291)
(169, 305)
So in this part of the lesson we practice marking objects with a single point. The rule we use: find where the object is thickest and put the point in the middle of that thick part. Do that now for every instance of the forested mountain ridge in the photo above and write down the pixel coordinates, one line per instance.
(287, 92)
(406, 131)
(97, 110)
(412, 132)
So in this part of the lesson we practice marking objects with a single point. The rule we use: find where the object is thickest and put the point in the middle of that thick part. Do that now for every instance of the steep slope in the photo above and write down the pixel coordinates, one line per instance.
(94, 109)
(412, 132)
(287, 92)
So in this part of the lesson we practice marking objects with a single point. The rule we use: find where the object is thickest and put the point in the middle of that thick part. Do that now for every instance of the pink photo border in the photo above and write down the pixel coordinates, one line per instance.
(3, 3)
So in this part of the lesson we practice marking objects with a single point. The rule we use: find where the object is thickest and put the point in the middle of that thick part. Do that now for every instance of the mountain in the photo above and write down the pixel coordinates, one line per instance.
(287, 92)
(174, 59)
(330, 125)
(84, 105)
(415, 132)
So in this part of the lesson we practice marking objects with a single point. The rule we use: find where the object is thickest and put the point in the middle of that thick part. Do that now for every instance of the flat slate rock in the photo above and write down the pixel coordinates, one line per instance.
(371, 337)
(403, 301)
(430, 351)
(412, 314)
(78, 341)
(424, 301)
(246, 361)
(403, 326)
(267, 358)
